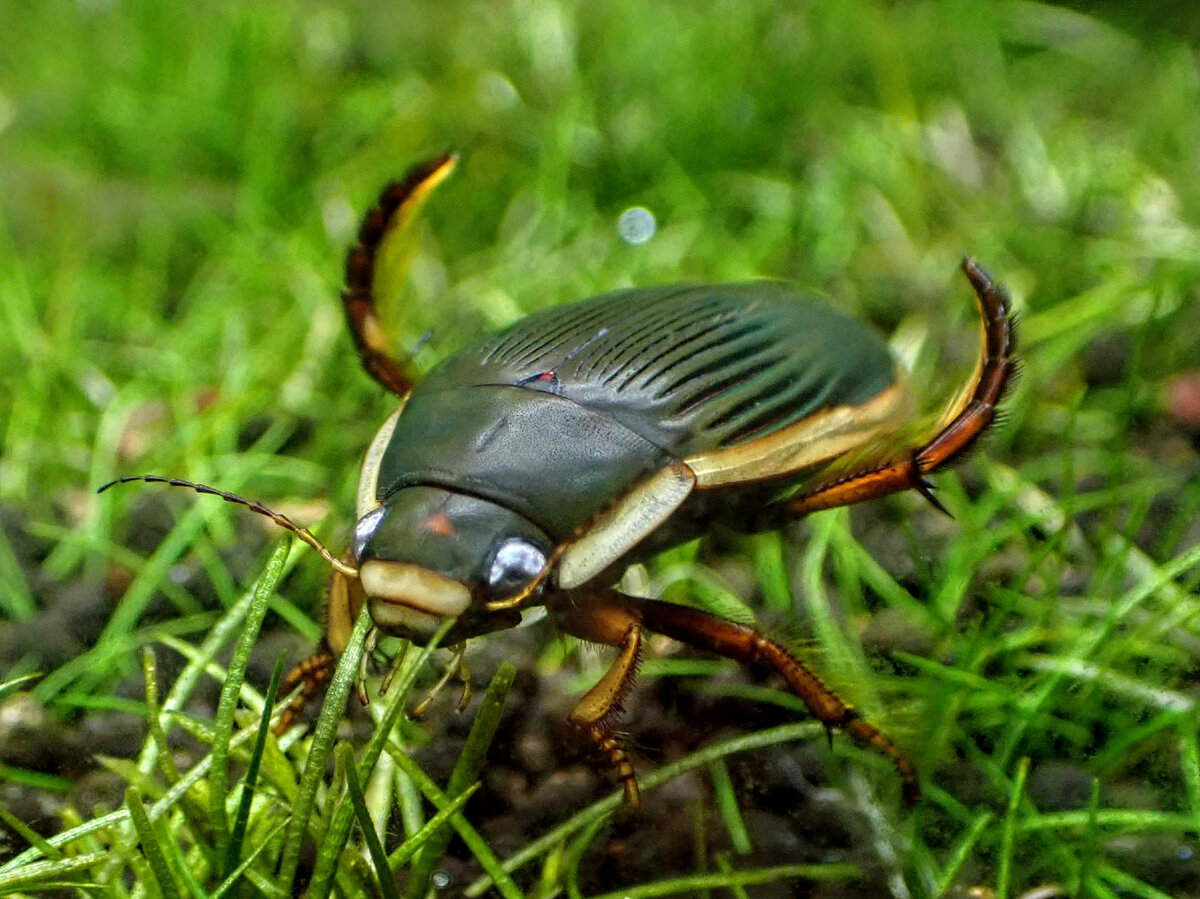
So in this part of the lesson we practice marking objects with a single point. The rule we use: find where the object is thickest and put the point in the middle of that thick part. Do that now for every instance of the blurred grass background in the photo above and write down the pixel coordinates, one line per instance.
(178, 183)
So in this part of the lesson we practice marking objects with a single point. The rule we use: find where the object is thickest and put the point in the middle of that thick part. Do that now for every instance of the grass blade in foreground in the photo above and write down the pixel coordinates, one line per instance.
(235, 676)
(338, 832)
(233, 848)
(321, 747)
(466, 770)
(383, 872)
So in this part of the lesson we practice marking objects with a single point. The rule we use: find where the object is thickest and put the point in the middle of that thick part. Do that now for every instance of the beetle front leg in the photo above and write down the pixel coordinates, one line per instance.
(612, 625)
(746, 645)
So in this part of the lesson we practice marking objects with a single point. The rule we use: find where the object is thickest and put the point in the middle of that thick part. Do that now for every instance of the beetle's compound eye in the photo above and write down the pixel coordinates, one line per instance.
(517, 561)
(364, 530)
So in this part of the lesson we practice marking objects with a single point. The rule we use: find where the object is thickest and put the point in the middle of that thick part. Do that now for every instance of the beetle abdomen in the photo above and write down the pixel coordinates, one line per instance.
(690, 368)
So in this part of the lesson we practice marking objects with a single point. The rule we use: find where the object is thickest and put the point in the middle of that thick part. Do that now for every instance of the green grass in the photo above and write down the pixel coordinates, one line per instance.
(177, 186)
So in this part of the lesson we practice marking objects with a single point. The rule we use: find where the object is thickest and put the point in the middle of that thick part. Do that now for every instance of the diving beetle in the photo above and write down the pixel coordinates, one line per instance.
(533, 467)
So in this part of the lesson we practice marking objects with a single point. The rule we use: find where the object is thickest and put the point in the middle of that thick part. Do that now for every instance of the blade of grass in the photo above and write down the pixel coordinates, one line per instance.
(1128, 885)
(27, 833)
(16, 599)
(1009, 829)
(495, 874)
(1190, 763)
(120, 817)
(822, 873)
(233, 849)
(36, 779)
(1088, 842)
(466, 770)
(321, 748)
(406, 850)
(235, 676)
(727, 803)
(12, 686)
(42, 874)
(166, 763)
(575, 853)
(960, 852)
(383, 873)
(160, 870)
(339, 829)
(228, 883)
(830, 634)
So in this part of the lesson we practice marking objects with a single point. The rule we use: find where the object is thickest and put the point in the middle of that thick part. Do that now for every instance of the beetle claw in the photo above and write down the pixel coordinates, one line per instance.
(925, 487)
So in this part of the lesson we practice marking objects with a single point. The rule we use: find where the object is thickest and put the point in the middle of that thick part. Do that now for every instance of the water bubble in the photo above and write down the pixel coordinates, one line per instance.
(636, 225)
(440, 880)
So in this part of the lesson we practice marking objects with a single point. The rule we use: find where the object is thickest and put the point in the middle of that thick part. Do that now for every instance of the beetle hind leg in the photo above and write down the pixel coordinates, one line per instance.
(393, 212)
(961, 427)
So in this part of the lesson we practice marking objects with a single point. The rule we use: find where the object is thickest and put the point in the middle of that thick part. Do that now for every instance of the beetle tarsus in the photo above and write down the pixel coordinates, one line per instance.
(614, 754)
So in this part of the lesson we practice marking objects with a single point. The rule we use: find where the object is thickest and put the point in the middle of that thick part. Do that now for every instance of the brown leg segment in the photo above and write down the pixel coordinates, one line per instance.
(602, 614)
(610, 624)
(314, 671)
(395, 210)
(997, 364)
(746, 645)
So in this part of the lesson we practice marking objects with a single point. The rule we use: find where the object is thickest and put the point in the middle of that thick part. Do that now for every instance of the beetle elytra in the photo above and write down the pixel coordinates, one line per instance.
(532, 467)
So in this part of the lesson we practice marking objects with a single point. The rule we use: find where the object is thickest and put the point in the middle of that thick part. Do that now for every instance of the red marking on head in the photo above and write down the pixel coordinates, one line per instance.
(546, 376)
(438, 523)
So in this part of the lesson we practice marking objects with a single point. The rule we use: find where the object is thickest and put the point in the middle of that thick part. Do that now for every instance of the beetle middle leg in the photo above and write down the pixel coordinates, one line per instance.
(599, 616)
(612, 625)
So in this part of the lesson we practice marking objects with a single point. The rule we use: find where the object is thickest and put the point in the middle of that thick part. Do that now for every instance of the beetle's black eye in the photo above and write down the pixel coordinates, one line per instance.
(516, 563)
(365, 528)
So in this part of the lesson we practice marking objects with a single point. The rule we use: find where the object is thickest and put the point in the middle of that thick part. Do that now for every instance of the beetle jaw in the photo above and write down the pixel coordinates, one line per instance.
(407, 599)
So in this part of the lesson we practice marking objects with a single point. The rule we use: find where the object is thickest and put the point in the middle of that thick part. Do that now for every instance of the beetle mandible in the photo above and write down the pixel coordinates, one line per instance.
(531, 468)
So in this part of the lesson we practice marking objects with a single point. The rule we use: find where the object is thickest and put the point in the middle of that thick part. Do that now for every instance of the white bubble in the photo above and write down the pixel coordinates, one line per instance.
(636, 225)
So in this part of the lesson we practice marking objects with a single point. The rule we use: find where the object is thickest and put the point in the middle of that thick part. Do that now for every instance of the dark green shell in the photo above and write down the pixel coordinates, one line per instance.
(691, 368)
(560, 413)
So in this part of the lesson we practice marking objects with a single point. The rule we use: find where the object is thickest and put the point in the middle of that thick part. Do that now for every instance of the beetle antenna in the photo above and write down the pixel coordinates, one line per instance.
(253, 505)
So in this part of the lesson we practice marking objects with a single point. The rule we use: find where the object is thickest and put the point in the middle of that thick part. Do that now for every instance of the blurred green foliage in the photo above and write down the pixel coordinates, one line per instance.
(178, 183)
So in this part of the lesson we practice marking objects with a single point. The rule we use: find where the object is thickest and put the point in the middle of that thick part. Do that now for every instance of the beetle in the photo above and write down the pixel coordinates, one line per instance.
(533, 467)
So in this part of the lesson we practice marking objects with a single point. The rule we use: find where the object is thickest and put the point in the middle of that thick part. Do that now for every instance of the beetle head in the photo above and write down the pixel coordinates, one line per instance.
(427, 554)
